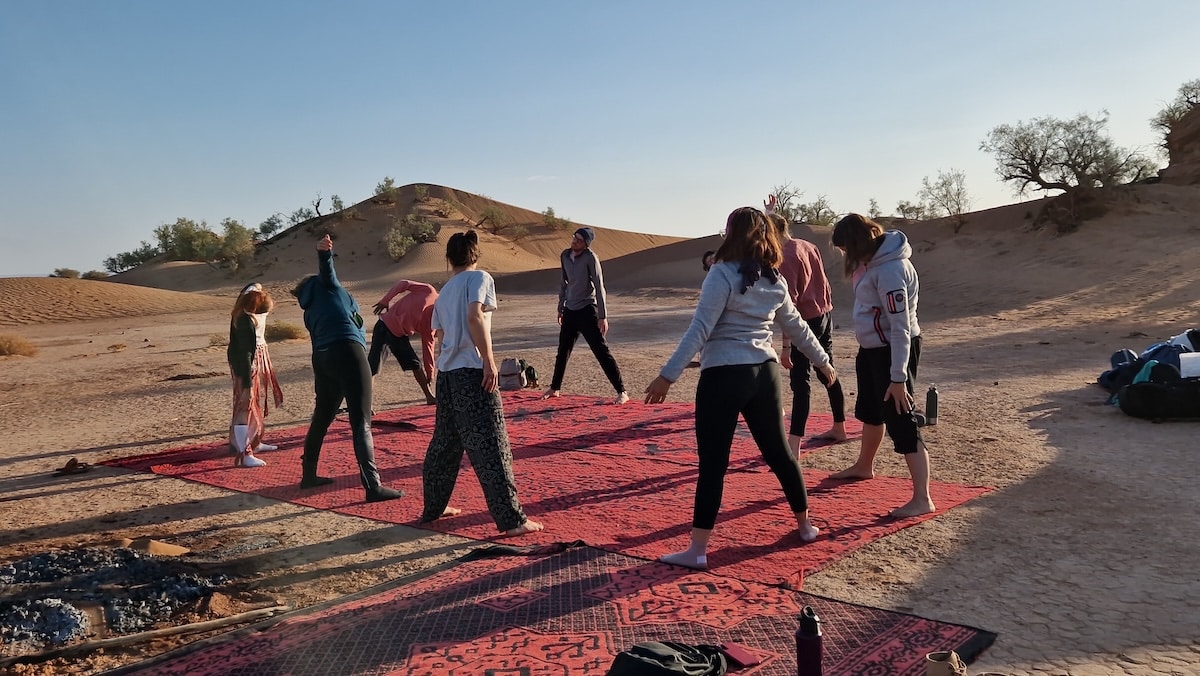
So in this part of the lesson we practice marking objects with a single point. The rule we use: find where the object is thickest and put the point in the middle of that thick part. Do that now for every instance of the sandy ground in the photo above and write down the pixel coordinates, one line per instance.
(1083, 559)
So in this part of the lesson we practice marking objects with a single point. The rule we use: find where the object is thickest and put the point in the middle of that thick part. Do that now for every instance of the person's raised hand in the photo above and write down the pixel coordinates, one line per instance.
(325, 244)
(769, 204)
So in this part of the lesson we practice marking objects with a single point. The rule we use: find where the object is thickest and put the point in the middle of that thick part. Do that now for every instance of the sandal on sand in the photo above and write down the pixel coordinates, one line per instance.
(73, 466)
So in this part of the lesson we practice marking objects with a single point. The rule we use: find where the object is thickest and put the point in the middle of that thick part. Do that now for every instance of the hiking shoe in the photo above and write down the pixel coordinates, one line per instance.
(383, 493)
(314, 481)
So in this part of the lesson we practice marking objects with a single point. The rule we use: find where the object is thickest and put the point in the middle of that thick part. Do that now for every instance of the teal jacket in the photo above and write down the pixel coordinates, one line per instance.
(330, 312)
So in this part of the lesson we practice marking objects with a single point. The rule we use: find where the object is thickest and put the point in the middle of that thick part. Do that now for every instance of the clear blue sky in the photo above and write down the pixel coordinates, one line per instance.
(651, 116)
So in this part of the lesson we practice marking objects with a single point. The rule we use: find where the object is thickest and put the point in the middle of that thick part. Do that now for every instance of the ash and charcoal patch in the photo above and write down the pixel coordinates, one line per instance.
(46, 592)
(29, 625)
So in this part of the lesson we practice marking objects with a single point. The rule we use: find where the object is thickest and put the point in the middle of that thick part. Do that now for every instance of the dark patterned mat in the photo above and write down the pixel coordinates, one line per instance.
(564, 613)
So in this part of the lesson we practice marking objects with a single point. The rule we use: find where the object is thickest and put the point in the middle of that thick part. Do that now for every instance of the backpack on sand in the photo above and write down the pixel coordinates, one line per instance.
(669, 659)
(512, 375)
(1161, 393)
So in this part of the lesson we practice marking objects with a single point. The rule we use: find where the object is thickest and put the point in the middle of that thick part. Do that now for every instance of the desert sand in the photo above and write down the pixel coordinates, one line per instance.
(1083, 559)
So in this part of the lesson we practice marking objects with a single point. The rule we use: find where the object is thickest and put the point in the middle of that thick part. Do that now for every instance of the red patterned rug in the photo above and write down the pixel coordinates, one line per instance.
(622, 478)
(567, 613)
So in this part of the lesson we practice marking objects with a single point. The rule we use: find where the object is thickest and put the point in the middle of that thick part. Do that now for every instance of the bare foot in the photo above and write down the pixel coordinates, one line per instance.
(833, 434)
(449, 511)
(854, 474)
(530, 526)
(913, 508)
(549, 393)
(621, 398)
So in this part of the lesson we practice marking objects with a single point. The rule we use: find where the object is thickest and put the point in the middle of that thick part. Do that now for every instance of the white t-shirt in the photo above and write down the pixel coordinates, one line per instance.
(450, 317)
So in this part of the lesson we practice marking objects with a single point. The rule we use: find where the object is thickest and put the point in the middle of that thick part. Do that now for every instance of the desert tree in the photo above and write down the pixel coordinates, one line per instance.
(421, 192)
(316, 204)
(300, 215)
(914, 211)
(385, 190)
(554, 221)
(873, 209)
(817, 212)
(268, 228)
(494, 219)
(947, 195)
(131, 259)
(336, 203)
(65, 273)
(95, 275)
(787, 200)
(1048, 153)
(187, 240)
(1164, 121)
(237, 244)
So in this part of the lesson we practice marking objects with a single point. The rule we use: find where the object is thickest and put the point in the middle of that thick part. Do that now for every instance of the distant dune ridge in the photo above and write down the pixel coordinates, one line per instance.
(1143, 252)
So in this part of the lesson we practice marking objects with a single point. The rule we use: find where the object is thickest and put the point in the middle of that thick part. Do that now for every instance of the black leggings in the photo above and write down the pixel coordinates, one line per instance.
(801, 379)
(754, 391)
(584, 321)
(341, 372)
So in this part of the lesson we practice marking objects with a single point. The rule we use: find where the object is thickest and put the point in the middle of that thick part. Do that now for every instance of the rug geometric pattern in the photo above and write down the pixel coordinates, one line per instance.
(621, 478)
(567, 613)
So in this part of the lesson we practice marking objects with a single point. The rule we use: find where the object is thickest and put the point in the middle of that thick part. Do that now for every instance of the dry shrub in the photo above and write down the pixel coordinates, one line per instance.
(277, 331)
(218, 340)
(16, 345)
(117, 347)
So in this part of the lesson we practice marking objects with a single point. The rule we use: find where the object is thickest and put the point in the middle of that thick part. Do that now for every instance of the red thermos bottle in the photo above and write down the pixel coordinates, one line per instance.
(808, 644)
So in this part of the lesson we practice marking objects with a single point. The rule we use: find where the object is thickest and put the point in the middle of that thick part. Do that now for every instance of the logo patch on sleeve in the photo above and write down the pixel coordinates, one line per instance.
(897, 301)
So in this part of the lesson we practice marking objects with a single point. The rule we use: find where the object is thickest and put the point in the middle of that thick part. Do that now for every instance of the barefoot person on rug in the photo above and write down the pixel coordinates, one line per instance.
(804, 271)
(340, 372)
(470, 415)
(254, 382)
(399, 320)
(742, 297)
(889, 339)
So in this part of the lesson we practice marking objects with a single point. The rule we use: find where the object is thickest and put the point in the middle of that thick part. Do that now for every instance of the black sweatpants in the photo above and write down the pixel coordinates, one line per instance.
(755, 392)
(584, 321)
(800, 379)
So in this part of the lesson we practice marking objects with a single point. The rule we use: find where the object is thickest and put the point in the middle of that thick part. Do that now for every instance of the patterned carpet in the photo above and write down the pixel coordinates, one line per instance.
(533, 614)
(621, 478)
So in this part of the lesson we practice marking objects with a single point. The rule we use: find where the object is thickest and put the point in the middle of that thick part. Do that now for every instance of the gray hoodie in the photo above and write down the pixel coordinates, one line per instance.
(734, 327)
(885, 301)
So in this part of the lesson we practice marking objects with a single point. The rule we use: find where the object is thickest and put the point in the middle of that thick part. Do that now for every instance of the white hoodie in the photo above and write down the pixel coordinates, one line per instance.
(885, 301)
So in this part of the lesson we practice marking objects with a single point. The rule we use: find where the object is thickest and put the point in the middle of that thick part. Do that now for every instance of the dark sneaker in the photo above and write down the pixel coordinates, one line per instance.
(314, 481)
(383, 493)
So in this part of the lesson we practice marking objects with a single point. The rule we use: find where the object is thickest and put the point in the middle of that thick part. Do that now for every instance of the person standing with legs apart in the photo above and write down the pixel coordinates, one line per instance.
(742, 296)
(398, 321)
(889, 339)
(253, 375)
(339, 362)
(804, 271)
(582, 309)
(470, 415)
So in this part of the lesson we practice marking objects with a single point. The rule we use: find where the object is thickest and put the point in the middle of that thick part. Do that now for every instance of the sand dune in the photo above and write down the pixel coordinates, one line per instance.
(39, 300)
(1142, 254)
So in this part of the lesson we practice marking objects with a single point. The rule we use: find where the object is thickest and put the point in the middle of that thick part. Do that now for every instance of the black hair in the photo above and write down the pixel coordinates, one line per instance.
(463, 248)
